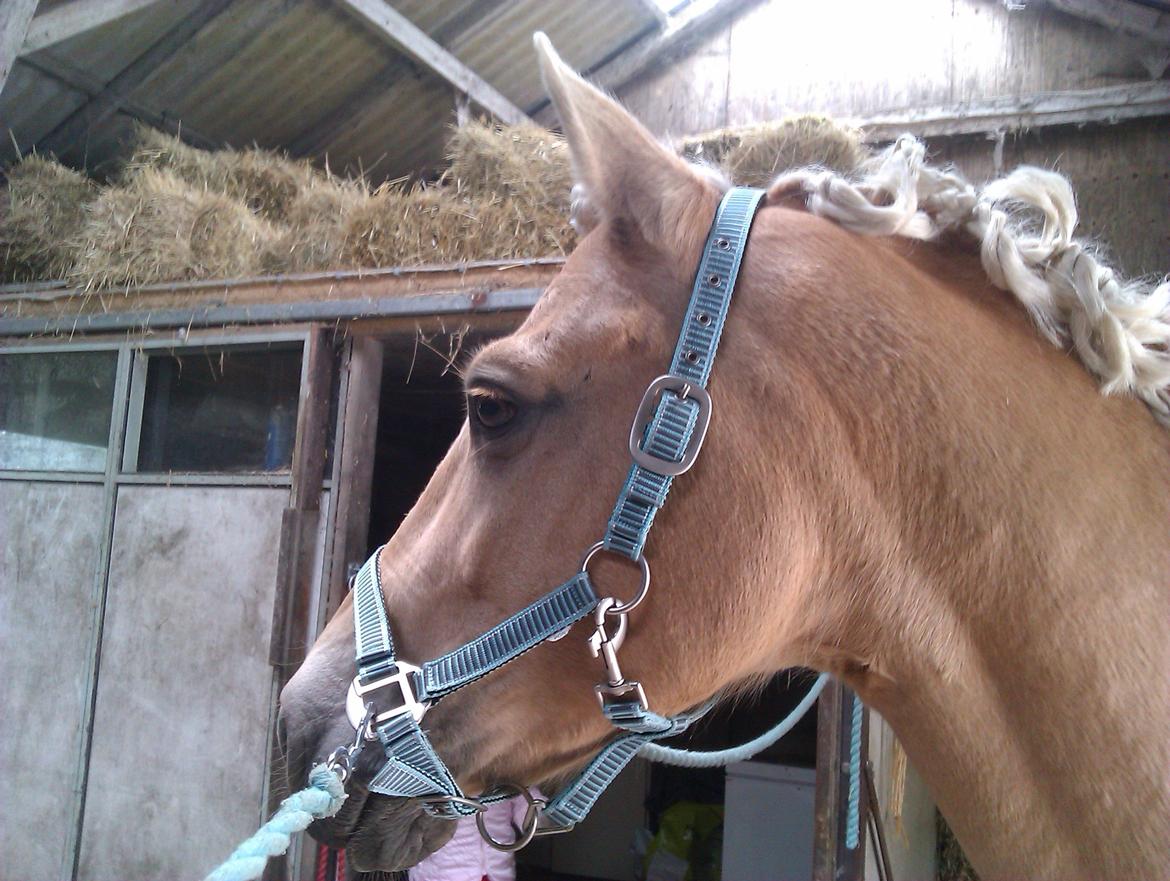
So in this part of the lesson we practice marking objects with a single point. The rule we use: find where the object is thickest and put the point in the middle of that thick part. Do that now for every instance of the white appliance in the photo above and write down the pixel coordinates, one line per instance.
(768, 822)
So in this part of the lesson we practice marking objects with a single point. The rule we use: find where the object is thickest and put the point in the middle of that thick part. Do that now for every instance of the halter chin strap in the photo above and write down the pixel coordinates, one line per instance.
(665, 439)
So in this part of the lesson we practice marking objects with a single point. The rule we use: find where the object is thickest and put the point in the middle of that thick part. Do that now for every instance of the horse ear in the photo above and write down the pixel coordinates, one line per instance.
(621, 173)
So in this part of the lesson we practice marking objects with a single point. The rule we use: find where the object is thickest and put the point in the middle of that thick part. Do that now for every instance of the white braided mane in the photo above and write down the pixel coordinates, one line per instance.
(1119, 329)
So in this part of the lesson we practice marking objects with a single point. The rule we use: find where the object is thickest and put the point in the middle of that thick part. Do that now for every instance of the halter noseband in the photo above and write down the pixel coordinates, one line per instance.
(389, 697)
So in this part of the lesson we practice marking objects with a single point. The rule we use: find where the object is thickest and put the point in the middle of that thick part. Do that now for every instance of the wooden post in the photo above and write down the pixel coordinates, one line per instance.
(290, 624)
(353, 462)
(832, 859)
(15, 17)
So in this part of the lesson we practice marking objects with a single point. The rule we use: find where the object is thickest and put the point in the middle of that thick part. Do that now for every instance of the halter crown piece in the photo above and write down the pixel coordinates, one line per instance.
(389, 697)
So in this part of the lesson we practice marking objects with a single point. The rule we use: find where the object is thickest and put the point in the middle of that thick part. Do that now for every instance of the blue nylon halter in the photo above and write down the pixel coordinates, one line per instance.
(664, 442)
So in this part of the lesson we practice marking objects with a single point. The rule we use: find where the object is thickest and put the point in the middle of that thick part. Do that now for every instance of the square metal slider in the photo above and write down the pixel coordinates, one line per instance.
(392, 695)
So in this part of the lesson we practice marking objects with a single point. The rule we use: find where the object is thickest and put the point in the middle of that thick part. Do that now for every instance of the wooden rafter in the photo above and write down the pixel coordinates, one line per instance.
(77, 79)
(104, 105)
(1134, 19)
(405, 36)
(76, 17)
(15, 18)
(361, 107)
(683, 33)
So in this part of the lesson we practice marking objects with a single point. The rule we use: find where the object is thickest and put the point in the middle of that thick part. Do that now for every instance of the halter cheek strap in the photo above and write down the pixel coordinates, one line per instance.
(665, 439)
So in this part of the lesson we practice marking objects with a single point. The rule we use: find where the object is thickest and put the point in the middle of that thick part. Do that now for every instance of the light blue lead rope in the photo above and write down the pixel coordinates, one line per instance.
(322, 798)
(853, 813)
(685, 758)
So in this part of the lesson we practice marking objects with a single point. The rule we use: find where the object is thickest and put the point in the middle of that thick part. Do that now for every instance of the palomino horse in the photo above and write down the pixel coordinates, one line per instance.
(904, 484)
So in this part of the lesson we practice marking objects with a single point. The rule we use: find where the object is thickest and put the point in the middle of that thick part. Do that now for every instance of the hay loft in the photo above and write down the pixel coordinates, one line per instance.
(173, 212)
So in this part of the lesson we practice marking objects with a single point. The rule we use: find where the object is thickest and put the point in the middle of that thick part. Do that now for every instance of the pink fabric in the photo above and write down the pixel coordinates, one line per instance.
(467, 857)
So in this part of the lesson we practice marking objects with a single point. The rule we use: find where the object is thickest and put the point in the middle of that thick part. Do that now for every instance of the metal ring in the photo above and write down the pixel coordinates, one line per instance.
(525, 834)
(643, 589)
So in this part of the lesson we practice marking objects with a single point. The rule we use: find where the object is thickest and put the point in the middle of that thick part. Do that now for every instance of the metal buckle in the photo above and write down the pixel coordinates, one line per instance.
(355, 699)
(628, 692)
(685, 389)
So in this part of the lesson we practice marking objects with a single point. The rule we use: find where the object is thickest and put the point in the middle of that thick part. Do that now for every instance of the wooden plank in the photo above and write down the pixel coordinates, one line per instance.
(1106, 105)
(68, 20)
(1135, 19)
(76, 126)
(686, 32)
(308, 463)
(832, 860)
(354, 448)
(476, 285)
(75, 78)
(15, 18)
(290, 618)
(406, 37)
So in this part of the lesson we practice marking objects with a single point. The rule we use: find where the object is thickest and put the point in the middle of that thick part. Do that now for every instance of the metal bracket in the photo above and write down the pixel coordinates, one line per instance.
(357, 698)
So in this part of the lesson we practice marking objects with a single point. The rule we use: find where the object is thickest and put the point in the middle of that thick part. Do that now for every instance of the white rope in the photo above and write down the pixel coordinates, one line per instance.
(1024, 224)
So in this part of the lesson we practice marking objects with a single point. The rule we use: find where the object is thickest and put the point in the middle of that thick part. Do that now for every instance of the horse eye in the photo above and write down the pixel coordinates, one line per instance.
(492, 411)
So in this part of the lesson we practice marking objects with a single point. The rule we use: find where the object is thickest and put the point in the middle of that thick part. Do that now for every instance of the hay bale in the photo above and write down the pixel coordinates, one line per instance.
(266, 182)
(45, 209)
(523, 162)
(157, 227)
(399, 227)
(754, 155)
(315, 229)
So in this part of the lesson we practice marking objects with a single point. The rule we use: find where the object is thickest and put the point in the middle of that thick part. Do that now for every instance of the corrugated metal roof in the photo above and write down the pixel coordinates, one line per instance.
(304, 75)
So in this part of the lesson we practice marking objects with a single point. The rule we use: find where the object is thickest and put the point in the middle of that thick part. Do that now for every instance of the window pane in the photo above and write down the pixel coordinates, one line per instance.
(55, 410)
(220, 410)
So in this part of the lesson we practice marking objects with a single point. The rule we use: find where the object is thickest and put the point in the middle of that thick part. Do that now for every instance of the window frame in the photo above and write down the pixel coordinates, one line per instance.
(126, 419)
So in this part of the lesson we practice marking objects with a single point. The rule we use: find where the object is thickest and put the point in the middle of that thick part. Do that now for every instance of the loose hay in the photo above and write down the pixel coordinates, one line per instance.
(314, 234)
(45, 210)
(754, 156)
(159, 228)
(266, 182)
(176, 212)
(521, 174)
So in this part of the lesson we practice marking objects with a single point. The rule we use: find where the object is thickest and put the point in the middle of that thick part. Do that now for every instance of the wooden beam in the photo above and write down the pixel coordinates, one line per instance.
(101, 107)
(1133, 19)
(76, 17)
(832, 859)
(656, 12)
(75, 78)
(396, 28)
(686, 30)
(361, 107)
(15, 18)
(1107, 105)
(354, 447)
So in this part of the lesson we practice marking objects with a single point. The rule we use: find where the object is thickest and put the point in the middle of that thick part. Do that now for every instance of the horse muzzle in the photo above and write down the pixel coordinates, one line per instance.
(378, 832)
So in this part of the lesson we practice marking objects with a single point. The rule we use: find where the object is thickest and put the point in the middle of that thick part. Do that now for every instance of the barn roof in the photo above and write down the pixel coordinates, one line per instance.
(367, 84)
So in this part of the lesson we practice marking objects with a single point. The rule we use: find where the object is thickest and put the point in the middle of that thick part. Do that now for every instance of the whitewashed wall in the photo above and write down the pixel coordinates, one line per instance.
(860, 60)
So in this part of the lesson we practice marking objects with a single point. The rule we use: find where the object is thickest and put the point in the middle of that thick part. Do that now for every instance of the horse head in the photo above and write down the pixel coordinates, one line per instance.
(902, 484)
(527, 487)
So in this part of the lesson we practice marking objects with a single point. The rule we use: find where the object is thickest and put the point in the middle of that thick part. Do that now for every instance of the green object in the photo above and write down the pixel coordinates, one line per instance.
(689, 844)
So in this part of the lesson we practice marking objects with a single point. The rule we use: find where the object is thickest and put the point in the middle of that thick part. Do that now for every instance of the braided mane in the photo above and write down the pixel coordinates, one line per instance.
(1024, 224)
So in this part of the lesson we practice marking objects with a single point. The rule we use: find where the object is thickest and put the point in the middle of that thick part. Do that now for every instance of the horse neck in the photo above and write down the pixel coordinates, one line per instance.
(990, 532)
